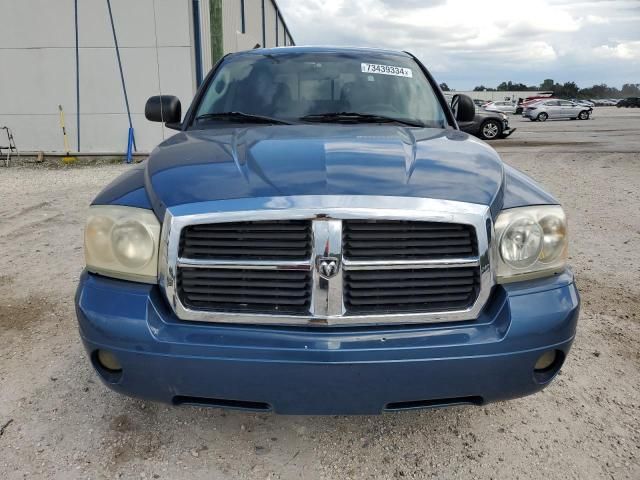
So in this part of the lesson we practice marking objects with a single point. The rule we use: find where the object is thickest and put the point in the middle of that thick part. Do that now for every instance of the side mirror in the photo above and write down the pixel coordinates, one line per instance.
(164, 108)
(463, 108)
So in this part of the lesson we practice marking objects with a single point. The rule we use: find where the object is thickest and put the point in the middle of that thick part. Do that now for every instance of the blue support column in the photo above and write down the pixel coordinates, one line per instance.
(197, 38)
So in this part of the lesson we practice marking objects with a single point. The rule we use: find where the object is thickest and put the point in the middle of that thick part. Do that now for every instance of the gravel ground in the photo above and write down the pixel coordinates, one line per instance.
(58, 421)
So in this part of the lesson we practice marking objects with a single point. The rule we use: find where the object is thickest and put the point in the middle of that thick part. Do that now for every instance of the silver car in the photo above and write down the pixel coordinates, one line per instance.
(554, 109)
(504, 107)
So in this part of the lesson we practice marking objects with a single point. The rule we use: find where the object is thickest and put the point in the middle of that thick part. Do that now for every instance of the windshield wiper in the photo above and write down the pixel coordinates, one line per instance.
(241, 117)
(355, 117)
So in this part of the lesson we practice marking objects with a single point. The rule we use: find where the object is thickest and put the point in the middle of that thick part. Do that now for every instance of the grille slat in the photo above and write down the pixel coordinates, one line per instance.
(408, 240)
(274, 226)
(405, 274)
(204, 284)
(289, 275)
(424, 253)
(240, 301)
(405, 284)
(239, 243)
(381, 225)
(245, 291)
(369, 243)
(407, 292)
(413, 300)
(268, 240)
(241, 252)
(382, 235)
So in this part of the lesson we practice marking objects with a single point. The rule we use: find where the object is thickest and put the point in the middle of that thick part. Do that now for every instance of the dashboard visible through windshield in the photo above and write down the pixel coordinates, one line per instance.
(320, 87)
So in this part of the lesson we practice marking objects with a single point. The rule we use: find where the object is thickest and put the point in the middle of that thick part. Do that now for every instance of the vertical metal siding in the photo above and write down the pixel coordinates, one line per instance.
(205, 33)
(275, 31)
(270, 24)
(231, 24)
(283, 34)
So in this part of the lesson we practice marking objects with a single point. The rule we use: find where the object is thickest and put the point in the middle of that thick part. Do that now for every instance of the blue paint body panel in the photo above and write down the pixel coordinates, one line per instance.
(327, 371)
(266, 161)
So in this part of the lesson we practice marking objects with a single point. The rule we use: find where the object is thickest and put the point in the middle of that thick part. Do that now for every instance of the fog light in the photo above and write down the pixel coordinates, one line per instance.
(109, 361)
(546, 360)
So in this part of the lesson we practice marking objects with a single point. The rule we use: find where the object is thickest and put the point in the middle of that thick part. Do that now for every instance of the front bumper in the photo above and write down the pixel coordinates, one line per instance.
(295, 370)
(507, 131)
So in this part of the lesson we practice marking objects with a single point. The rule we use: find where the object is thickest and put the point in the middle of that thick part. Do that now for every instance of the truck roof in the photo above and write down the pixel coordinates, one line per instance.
(320, 49)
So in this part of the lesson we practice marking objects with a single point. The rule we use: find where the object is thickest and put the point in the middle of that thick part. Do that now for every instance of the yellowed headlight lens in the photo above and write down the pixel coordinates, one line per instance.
(122, 242)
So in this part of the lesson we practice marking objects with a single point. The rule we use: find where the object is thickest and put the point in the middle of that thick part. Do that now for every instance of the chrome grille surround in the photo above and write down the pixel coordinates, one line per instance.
(326, 212)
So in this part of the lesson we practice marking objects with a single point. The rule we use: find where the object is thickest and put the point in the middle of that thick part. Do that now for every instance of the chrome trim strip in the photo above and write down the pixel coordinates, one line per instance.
(251, 264)
(320, 209)
(400, 264)
(326, 296)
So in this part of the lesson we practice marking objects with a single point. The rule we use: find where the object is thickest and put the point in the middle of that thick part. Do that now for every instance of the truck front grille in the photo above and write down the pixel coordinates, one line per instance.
(312, 265)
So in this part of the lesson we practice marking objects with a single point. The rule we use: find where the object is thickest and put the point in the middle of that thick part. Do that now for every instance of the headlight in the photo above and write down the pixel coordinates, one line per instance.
(531, 242)
(122, 242)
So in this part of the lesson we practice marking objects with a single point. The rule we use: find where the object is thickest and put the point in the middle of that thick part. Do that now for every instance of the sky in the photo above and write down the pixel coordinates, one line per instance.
(466, 43)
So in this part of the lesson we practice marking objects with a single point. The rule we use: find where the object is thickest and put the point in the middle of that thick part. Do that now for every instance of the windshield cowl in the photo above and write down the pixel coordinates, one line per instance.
(355, 117)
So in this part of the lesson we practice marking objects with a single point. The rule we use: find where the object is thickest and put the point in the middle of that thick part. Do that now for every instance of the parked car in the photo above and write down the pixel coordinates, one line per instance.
(530, 101)
(488, 125)
(629, 102)
(585, 103)
(320, 238)
(556, 109)
(504, 107)
(478, 102)
(605, 102)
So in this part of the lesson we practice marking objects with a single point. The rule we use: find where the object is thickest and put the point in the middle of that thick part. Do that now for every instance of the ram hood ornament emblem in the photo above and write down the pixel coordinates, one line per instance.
(327, 267)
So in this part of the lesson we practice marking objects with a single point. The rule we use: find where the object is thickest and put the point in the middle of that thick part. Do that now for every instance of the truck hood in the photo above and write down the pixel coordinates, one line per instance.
(323, 159)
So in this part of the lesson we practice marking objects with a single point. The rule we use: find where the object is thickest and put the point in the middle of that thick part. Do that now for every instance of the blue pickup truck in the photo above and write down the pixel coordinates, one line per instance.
(320, 238)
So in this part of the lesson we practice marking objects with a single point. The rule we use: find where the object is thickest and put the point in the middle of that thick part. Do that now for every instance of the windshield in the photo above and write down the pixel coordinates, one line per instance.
(292, 86)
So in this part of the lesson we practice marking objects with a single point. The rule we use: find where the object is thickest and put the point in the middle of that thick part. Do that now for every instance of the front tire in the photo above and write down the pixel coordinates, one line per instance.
(542, 117)
(584, 115)
(490, 130)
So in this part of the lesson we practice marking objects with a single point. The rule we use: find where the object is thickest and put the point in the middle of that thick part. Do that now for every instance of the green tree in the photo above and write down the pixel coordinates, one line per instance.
(482, 88)
(631, 90)
(513, 87)
(567, 90)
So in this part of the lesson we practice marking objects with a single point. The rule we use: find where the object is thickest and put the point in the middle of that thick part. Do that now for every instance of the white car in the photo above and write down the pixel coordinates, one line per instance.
(555, 109)
(504, 107)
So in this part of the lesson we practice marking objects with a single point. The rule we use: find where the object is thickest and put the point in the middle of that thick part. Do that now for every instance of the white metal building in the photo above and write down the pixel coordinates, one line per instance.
(501, 96)
(165, 46)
